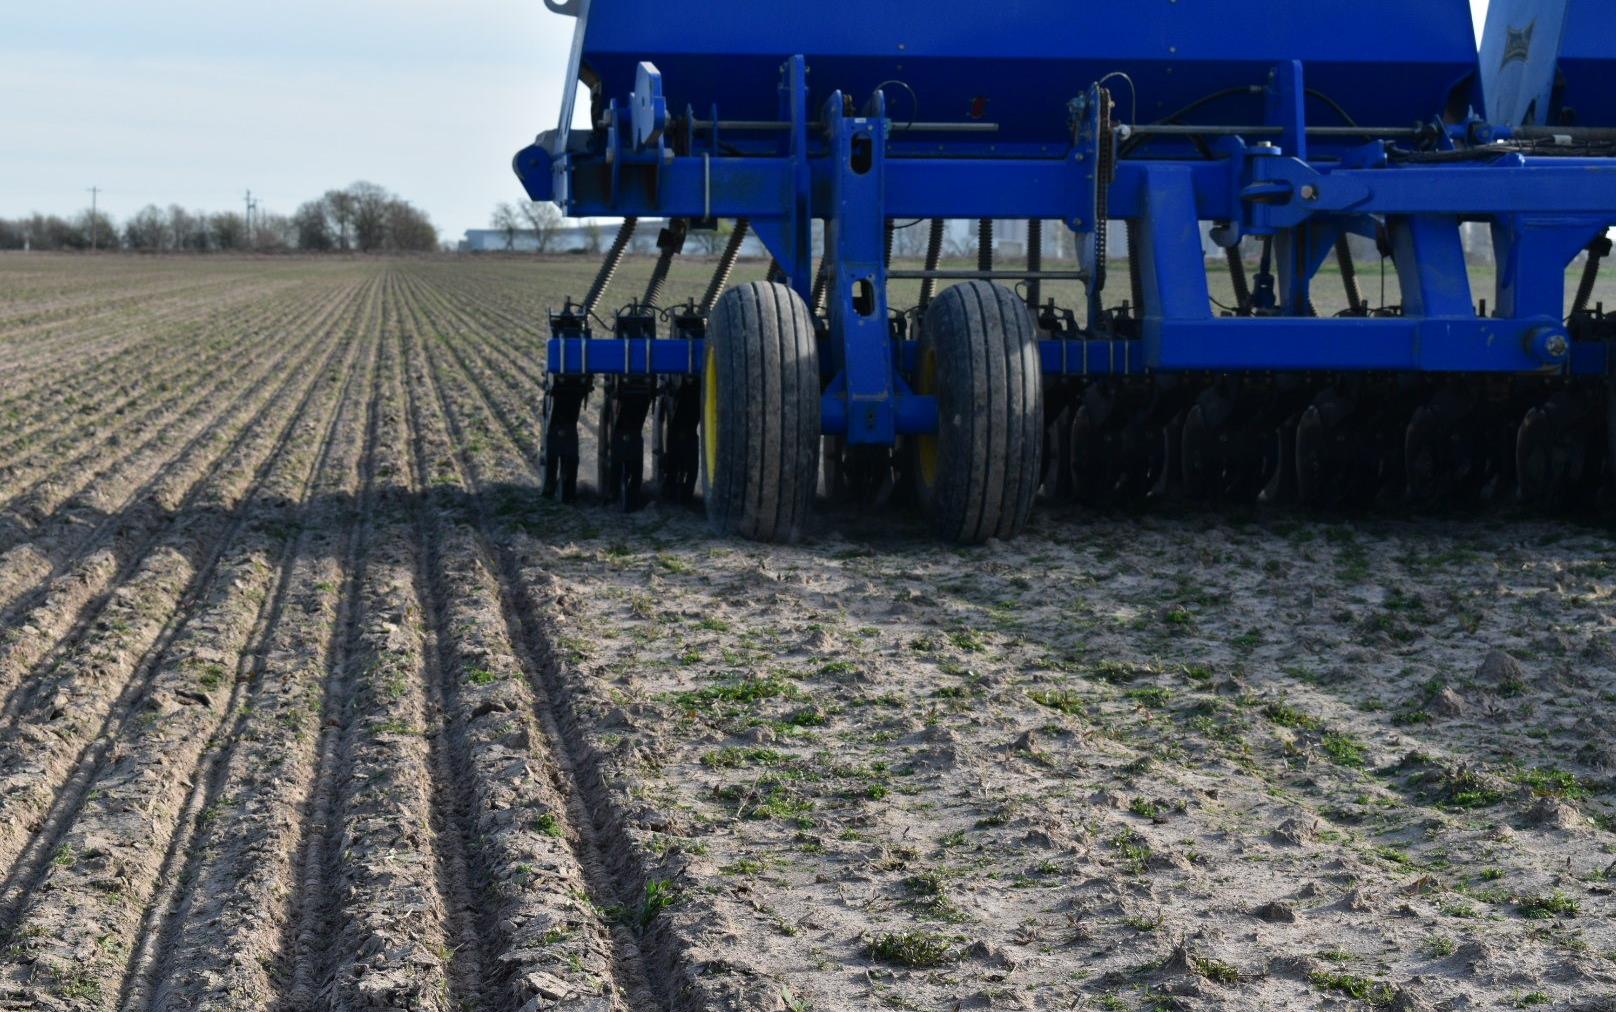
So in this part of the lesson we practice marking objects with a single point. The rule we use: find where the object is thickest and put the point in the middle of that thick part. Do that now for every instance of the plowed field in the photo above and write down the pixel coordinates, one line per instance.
(309, 701)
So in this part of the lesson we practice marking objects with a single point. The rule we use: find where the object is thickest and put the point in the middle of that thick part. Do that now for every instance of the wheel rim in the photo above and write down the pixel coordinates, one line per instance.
(926, 452)
(709, 411)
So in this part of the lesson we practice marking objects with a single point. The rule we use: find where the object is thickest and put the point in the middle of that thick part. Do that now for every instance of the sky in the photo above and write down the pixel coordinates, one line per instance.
(197, 101)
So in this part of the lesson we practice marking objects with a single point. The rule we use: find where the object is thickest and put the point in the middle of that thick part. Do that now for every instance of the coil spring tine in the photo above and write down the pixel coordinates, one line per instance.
(1349, 274)
(984, 244)
(726, 266)
(776, 275)
(934, 256)
(821, 286)
(671, 243)
(608, 269)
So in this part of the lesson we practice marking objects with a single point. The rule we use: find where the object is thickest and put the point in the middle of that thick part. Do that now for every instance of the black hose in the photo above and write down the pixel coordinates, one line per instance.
(608, 269)
(726, 266)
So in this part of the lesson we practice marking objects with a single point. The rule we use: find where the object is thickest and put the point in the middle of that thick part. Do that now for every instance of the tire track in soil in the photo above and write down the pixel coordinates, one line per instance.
(218, 933)
(553, 946)
(62, 611)
(680, 939)
(126, 632)
(90, 903)
(377, 914)
(616, 875)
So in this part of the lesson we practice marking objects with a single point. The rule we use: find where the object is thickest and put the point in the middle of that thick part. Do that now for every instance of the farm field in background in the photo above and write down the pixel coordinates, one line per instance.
(309, 701)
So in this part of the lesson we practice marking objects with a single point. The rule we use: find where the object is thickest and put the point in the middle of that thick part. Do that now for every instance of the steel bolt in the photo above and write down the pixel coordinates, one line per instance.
(1310, 192)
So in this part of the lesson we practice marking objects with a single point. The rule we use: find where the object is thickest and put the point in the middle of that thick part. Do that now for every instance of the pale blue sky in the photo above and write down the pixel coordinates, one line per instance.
(194, 101)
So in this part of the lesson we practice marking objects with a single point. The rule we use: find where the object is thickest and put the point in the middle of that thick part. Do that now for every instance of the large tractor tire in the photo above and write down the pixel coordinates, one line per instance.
(979, 357)
(760, 414)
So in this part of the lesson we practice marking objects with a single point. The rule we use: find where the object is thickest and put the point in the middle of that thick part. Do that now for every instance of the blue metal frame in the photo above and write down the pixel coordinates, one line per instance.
(855, 171)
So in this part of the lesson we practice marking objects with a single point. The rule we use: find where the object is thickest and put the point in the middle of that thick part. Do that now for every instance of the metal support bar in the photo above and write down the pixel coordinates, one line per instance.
(1125, 131)
(855, 245)
(1268, 344)
(988, 275)
(780, 126)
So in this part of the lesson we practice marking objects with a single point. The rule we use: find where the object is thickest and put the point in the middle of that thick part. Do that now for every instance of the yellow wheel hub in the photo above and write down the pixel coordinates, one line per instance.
(709, 412)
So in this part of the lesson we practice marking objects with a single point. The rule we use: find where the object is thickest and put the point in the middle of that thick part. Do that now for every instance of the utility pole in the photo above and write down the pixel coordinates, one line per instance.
(95, 218)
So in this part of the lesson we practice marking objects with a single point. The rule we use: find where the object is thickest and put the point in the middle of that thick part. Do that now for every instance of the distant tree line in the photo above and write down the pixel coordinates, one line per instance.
(364, 218)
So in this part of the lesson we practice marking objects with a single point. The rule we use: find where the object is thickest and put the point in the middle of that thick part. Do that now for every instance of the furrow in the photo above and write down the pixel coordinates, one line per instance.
(374, 927)
(218, 944)
(592, 853)
(89, 906)
(673, 946)
(543, 941)
(106, 392)
(53, 617)
(71, 467)
(57, 725)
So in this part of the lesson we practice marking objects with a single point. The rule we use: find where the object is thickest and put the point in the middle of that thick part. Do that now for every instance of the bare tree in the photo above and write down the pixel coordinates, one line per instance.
(272, 233)
(228, 230)
(911, 238)
(97, 231)
(409, 229)
(506, 220)
(543, 219)
(370, 204)
(312, 228)
(148, 231)
(187, 231)
(593, 233)
(340, 207)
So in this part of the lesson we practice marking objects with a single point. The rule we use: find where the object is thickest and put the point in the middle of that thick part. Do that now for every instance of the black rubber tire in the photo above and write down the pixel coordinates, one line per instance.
(984, 371)
(760, 473)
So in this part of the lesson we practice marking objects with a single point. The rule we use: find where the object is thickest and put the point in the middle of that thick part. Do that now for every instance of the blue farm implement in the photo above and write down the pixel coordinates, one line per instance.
(1276, 135)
